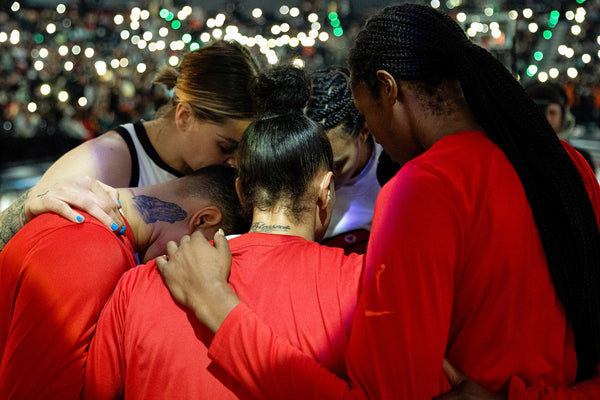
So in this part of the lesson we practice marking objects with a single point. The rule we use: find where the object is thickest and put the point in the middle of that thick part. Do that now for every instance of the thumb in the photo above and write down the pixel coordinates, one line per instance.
(454, 375)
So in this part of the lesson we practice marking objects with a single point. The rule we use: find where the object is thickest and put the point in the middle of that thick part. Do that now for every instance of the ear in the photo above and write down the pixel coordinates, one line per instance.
(364, 133)
(239, 191)
(183, 115)
(206, 219)
(388, 87)
(326, 191)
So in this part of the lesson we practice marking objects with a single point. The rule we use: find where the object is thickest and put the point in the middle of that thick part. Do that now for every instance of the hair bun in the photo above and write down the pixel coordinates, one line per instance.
(283, 89)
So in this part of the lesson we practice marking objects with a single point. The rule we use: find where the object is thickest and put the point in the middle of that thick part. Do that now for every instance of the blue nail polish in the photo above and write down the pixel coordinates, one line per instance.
(123, 229)
(114, 226)
(119, 203)
(79, 218)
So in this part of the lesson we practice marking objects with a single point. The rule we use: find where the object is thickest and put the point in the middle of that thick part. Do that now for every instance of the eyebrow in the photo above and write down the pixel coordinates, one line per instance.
(228, 139)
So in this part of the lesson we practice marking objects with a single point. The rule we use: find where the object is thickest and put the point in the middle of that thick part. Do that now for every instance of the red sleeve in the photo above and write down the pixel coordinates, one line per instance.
(105, 368)
(589, 179)
(589, 389)
(268, 365)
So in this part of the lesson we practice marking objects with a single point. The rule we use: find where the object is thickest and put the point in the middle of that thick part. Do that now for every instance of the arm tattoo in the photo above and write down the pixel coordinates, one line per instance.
(153, 210)
(12, 219)
(261, 227)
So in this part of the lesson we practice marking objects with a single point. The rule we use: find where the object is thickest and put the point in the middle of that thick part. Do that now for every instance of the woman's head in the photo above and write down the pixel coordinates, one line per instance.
(283, 152)
(212, 100)
(420, 46)
(332, 106)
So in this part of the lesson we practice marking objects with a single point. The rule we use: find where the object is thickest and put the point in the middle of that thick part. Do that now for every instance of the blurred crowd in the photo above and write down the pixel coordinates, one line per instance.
(36, 122)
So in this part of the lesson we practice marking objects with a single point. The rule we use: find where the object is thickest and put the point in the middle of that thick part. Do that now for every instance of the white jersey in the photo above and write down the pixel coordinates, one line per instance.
(147, 168)
(355, 201)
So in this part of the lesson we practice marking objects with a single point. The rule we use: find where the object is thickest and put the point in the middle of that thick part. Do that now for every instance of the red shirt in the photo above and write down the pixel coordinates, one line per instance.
(147, 347)
(454, 267)
(55, 276)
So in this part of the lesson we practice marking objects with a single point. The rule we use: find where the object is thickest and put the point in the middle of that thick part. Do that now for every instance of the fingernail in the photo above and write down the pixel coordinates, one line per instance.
(79, 218)
(114, 226)
(220, 232)
(123, 229)
(119, 203)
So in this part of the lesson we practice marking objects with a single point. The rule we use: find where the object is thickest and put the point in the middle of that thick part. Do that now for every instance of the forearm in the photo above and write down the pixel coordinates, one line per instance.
(12, 219)
(268, 365)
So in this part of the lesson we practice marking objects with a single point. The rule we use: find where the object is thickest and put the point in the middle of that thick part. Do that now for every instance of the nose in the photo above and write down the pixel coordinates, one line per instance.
(231, 161)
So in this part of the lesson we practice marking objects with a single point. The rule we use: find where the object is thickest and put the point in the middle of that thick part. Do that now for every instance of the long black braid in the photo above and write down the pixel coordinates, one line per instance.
(331, 103)
(418, 43)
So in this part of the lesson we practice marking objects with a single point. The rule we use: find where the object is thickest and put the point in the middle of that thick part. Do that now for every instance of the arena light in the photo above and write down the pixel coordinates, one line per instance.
(294, 12)
(15, 37)
(100, 66)
(68, 66)
(542, 76)
(63, 96)
(435, 3)
(44, 52)
(82, 102)
(586, 58)
(173, 61)
(532, 70)
(118, 19)
(15, 6)
(298, 63)
(51, 28)
(283, 10)
(61, 8)
(553, 72)
(527, 13)
(572, 73)
(63, 50)
(31, 107)
(45, 89)
(141, 68)
(257, 13)
(532, 27)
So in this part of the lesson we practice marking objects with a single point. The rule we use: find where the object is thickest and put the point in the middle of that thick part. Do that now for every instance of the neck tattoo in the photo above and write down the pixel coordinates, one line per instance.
(261, 227)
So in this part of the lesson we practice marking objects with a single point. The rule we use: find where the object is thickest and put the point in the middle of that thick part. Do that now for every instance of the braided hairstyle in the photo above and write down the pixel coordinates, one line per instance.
(331, 102)
(281, 152)
(418, 44)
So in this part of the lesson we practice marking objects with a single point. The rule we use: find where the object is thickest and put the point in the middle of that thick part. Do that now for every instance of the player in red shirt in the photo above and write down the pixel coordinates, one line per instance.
(55, 276)
(484, 246)
(145, 346)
